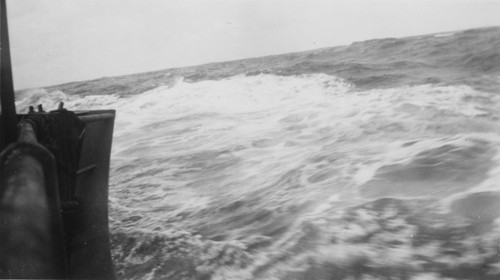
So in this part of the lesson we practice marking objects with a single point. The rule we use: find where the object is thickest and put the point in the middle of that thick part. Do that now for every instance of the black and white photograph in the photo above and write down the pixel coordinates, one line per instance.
(250, 139)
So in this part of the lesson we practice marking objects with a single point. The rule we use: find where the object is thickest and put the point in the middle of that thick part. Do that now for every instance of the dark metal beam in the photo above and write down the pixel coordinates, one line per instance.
(9, 117)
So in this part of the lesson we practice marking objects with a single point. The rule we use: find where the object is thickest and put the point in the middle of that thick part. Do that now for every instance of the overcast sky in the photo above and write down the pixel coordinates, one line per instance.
(57, 41)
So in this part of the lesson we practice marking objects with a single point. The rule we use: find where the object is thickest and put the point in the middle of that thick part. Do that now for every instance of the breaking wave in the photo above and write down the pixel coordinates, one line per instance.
(302, 177)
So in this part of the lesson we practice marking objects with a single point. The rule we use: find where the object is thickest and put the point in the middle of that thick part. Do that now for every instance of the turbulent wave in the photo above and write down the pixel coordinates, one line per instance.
(377, 160)
(468, 57)
(302, 177)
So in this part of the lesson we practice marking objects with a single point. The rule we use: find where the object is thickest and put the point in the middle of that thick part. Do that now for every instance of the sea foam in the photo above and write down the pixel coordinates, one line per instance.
(300, 177)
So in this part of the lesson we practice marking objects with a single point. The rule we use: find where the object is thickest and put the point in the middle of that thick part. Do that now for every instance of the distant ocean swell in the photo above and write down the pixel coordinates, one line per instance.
(302, 177)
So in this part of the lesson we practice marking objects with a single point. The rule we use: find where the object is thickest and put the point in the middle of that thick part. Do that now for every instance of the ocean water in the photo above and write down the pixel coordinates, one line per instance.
(301, 177)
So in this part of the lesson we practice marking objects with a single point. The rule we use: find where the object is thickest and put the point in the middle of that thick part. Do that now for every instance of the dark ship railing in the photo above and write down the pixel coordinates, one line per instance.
(54, 172)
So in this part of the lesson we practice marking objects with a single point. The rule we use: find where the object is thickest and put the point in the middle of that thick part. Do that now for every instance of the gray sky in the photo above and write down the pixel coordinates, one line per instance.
(57, 41)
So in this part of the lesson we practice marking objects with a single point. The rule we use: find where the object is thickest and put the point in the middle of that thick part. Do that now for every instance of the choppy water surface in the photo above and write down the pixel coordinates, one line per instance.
(304, 177)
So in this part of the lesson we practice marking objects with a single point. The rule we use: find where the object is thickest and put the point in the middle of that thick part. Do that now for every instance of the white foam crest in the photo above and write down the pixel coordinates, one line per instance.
(222, 104)
(490, 183)
(34, 97)
(50, 100)
(93, 102)
(238, 94)
(266, 142)
(287, 119)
